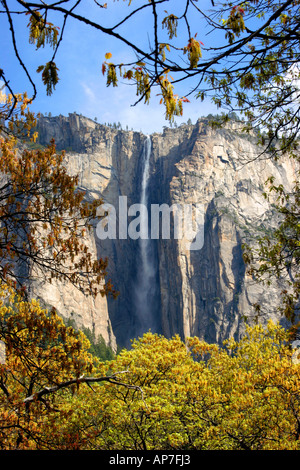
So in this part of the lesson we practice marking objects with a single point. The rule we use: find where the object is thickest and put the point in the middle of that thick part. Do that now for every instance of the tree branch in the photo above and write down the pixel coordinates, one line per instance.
(88, 380)
(16, 49)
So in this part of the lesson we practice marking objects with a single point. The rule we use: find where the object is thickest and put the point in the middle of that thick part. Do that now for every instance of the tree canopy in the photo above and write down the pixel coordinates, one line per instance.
(163, 394)
(43, 359)
(198, 396)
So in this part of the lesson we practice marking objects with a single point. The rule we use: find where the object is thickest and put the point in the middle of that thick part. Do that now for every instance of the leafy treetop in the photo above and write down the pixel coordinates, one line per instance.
(177, 396)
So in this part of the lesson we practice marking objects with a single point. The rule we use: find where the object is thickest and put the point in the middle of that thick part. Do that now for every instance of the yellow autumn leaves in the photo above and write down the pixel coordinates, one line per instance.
(42, 33)
(40, 351)
(199, 396)
(15, 109)
(169, 395)
(43, 214)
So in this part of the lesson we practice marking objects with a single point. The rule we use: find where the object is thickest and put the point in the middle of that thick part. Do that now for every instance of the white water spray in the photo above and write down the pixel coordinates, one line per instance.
(144, 240)
(146, 269)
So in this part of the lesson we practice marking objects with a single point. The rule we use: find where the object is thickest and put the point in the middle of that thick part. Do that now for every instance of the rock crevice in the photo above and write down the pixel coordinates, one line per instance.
(203, 292)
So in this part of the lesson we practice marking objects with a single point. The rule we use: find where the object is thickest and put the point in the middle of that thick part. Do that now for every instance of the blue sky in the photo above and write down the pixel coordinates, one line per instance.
(82, 87)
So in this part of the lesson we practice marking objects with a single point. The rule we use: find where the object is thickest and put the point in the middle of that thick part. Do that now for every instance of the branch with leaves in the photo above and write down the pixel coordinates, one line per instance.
(44, 361)
(277, 254)
(248, 62)
(112, 379)
(44, 218)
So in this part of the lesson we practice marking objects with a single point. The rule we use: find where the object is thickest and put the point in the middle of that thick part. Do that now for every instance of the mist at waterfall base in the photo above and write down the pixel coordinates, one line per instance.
(146, 289)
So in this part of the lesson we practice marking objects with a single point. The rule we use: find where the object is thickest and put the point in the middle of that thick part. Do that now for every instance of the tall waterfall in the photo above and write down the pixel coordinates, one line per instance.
(144, 240)
(146, 287)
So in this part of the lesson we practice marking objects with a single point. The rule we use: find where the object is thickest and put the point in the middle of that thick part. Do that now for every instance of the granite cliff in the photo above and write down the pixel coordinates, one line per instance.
(204, 292)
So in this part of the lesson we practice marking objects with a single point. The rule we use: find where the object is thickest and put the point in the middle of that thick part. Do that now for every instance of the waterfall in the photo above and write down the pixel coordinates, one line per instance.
(146, 286)
(144, 240)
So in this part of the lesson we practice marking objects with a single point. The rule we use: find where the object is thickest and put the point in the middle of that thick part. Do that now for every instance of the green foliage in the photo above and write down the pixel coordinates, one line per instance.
(244, 396)
(49, 76)
(42, 32)
(98, 346)
(278, 252)
(176, 396)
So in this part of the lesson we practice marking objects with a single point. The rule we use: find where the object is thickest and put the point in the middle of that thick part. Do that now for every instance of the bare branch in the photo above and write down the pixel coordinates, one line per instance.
(16, 49)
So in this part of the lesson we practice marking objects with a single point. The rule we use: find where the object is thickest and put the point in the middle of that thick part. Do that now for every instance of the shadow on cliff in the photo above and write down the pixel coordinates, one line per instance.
(217, 314)
(165, 297)
(170, 276)
(160, 311)
(137, 308)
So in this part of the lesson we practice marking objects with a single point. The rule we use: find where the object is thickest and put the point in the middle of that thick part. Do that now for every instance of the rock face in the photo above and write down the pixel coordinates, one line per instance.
(202, 291)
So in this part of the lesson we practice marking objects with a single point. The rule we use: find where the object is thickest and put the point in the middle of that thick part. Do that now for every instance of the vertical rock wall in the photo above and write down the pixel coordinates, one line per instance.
(203, 292)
